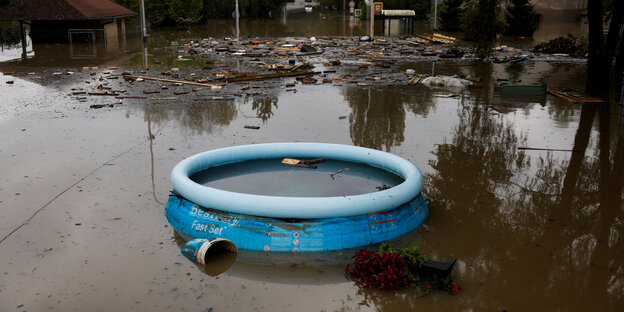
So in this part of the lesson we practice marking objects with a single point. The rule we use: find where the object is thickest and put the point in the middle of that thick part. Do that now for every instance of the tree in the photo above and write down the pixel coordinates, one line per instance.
(186, 11)
(521, 18)
(480, 23)
(450, 15)
(174, 12)
(602, 50)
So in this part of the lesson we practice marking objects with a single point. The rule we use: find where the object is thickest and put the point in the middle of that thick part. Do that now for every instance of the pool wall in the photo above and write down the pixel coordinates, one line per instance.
(270, 234)
(297, 207)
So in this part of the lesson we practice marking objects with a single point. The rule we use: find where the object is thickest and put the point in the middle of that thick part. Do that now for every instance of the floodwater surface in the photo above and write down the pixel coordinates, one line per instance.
(271, 177)
(85, 179)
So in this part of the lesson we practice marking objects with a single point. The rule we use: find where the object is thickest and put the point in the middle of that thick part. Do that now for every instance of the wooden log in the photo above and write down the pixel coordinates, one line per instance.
(314, 161)
(573, 98)
(271, 76)
(177, 81)
(304, 166)
(550, 149)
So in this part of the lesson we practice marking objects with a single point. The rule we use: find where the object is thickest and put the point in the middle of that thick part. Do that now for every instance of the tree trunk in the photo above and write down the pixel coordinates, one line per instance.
(581, 140)
(601, 52)
(619, 71)
(597, 80)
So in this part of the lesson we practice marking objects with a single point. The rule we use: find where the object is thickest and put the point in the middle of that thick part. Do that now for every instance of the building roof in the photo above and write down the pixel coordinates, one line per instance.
(34, 10)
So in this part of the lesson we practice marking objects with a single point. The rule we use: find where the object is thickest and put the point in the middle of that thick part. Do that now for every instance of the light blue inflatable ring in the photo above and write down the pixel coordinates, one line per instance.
(297, 207)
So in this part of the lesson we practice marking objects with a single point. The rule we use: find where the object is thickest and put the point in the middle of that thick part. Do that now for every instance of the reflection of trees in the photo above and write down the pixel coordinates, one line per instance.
(514, 70)
(378, 116)
(480, 161)
(547, 226)
(198, 117)
(264, 107)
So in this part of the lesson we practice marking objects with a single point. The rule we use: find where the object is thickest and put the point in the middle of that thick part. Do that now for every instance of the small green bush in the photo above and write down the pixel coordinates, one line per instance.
(450, 15)
(569, 44)
(521, 18)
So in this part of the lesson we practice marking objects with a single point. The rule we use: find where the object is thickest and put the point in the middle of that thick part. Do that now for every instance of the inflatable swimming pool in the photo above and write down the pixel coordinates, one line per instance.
(296, 223)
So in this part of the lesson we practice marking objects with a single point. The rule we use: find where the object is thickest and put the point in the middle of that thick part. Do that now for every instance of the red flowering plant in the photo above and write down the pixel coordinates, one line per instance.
(444, 284)
(391, 269)
(379, 271)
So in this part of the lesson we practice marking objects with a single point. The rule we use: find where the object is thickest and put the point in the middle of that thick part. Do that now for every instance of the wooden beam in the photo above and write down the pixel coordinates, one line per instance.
(271, 76)
(176, 81)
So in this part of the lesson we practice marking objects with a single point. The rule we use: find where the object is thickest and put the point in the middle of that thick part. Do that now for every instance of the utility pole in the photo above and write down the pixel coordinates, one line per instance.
(372, 19)
(435, 15)
(143, 26)
(237, 17)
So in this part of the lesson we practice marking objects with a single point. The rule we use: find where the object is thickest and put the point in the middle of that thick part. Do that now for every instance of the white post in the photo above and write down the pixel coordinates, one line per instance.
(143, 26)
(435, 15)
(237, 16)
(372, 20)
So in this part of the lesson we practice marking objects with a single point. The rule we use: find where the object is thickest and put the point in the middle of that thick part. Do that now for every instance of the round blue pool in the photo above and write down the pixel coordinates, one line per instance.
(279, 207)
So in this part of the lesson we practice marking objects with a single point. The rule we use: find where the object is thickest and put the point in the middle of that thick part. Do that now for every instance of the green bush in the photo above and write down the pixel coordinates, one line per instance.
(450, 15)
(480, 23)
(174, 12)
(521, 18)
(569, 44)
(186, 11)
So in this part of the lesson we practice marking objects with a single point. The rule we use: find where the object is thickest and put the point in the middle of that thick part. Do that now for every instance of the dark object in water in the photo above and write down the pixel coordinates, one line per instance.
(96, 106)
(428, 53)
(525, 89)
(308, 48)
(452, 53)
(305, 166)
(437, 268)
(550, 149)
(314, 161)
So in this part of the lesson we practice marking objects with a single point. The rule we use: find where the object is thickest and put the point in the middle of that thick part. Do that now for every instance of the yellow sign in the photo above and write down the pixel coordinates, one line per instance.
(378, 7)
(358, 13)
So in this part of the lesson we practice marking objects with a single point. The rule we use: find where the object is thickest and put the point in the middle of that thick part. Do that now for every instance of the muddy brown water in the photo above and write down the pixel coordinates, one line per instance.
(83, 191)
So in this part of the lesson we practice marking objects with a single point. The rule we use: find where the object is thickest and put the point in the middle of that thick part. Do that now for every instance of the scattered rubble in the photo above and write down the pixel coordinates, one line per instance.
(336, 61)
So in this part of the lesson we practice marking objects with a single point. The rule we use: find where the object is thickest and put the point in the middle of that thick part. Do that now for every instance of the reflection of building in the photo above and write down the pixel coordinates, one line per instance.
(76, 28)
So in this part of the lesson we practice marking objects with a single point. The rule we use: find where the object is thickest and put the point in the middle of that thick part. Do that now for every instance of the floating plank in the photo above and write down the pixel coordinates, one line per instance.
(270, 76)
(550, 149)
(176, 81)
(573, 96)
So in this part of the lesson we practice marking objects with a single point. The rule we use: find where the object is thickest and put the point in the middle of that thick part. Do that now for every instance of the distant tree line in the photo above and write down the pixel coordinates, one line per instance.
(481, 21)
(9, 30)
(176, 12)
(6, 2)
(482, 18)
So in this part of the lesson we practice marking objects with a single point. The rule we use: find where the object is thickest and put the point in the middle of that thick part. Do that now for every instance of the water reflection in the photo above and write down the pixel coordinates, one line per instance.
(199, 116)
(377, 120)
(263, 106)
(559, 215)
(377, 117)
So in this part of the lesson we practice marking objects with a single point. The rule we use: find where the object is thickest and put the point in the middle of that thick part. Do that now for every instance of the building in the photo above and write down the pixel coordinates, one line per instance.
(75, 28)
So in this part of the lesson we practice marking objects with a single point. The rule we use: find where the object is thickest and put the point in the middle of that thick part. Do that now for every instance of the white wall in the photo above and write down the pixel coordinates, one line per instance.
(560, 4)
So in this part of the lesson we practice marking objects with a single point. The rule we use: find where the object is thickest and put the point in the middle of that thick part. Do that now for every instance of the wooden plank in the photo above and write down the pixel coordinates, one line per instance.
(271, 76)
(176, 81)
(573, 98)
